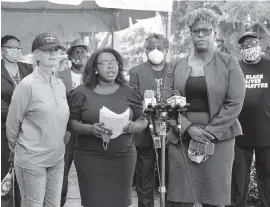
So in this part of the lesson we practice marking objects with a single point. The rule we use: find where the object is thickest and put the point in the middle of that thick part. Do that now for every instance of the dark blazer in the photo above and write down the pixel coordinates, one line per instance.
(7, 87)
(226, 92)
(141, 78)
(65, 76)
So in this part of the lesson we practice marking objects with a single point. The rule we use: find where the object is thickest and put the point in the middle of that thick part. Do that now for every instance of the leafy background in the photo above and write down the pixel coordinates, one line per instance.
(236, 17)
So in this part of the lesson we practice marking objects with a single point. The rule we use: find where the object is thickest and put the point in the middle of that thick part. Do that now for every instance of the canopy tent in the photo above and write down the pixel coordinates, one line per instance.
(26, 19)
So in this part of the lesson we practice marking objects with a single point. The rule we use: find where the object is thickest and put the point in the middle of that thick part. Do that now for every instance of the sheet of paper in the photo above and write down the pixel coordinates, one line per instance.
(114, 120)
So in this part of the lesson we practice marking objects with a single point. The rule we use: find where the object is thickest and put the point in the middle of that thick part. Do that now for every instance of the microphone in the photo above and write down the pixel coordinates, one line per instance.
(149, 99)
(177, 100)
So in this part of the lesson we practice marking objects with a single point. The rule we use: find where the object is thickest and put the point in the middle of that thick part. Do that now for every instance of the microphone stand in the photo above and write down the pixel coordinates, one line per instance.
(160, 112)
(163, 132)
(181, 110)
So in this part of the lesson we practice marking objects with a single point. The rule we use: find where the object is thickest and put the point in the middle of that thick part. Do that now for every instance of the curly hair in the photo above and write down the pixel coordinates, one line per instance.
(157, 36)
(6, 38)
(90, 77)
(202, 14)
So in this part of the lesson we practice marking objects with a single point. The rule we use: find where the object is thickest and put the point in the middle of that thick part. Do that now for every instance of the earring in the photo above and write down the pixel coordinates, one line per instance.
(96, 72)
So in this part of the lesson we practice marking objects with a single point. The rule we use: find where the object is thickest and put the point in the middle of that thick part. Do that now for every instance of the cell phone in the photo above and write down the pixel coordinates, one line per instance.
(210, 148)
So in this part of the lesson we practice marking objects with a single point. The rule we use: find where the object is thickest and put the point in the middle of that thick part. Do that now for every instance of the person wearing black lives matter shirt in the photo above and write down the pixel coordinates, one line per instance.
(255, 121)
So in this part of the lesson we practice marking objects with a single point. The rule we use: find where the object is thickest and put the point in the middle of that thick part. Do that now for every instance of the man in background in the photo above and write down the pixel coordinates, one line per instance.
(149, 75)
(255, 121)
(71, 77)
(77, 54)
(221, 46)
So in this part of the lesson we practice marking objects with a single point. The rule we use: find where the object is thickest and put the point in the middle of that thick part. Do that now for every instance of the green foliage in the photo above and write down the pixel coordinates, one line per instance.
(234, 21)
(235, 18)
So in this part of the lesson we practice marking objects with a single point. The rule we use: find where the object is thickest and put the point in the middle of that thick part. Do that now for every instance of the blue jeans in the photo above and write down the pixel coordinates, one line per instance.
(40, 187)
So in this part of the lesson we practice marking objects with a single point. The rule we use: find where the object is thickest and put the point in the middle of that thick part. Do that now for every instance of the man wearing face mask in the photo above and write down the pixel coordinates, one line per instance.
(255, 121)
(12, 72)
(77, 54)
(149, 75)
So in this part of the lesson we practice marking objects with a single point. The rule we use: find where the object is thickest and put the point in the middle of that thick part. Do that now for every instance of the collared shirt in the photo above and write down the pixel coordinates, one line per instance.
(37, 121)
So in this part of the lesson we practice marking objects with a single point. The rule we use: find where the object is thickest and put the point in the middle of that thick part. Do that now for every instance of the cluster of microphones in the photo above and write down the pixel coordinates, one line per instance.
(164, 111)
(176, 103)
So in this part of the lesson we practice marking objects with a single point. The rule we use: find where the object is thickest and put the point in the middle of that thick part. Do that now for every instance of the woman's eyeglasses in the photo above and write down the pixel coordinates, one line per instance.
(249, 43)
(205, 31)
(12, 47)
(106, 63)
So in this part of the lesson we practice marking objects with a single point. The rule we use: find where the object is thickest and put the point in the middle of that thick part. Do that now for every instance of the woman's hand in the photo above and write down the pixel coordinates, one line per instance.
(98, 129)
(173, 124)
(135, 127)
(199, 135)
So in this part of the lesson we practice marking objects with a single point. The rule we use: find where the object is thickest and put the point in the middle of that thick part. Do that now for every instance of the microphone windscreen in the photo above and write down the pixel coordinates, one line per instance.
(176, 93)
(149, 94)
(149, 98)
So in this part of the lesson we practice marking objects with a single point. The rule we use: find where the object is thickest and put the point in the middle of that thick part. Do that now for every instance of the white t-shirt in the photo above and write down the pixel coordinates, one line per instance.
(76, 79)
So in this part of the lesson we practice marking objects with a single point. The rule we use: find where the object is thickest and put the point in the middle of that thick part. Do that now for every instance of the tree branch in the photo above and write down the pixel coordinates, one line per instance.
(263, 27)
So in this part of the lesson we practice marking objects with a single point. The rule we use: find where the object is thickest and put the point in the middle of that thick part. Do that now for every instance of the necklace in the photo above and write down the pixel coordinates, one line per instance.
(15, 83)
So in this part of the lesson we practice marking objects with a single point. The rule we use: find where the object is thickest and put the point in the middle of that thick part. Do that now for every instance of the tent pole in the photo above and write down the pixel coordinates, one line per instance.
(168, 33)
(112, 39)
(114, 26)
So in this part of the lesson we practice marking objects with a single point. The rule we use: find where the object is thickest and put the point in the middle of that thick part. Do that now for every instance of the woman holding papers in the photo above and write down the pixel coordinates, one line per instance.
(104, 113)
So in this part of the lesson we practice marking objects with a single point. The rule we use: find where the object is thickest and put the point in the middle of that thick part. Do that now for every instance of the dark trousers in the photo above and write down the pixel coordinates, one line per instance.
(176, 204)
(5, 165)
(145, 175)
(69, 156)
(241, 175)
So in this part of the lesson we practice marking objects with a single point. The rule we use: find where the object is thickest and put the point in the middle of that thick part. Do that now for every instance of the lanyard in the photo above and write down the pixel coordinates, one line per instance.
(158, 83)
(13, 79)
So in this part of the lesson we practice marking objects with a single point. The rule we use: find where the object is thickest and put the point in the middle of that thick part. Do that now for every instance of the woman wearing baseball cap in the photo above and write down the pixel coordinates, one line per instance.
(36, 125)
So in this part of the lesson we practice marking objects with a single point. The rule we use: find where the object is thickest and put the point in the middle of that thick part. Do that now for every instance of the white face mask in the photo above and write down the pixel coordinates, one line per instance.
(251, 54)
(197, 158)
(77, 62)
(156, 56)
(13, 55)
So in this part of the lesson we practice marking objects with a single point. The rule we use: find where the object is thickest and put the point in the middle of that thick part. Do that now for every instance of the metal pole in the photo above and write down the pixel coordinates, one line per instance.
(163, 162)
(112, 39)
(168, 33)
(114, 26)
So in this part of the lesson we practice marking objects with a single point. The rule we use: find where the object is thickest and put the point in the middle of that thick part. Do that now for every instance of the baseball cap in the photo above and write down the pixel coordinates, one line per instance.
(46, 41)
(77, 43)
(248, 34)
